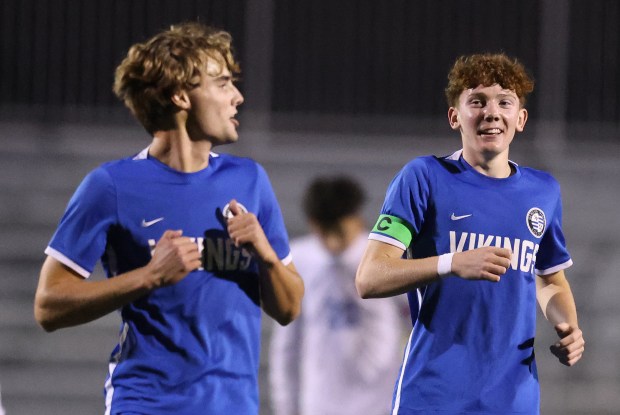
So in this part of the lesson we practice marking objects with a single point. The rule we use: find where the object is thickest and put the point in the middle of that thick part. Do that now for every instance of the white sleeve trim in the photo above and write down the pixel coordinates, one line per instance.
(554, 269)
(66, 261)
(387, 240)
(288, 259)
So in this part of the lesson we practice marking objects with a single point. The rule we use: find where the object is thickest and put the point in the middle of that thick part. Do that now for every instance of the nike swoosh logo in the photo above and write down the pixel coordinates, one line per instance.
(454, 217)
(146, 224)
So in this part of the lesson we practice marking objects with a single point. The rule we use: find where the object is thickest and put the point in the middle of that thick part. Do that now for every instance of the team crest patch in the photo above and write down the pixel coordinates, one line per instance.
(536, 221)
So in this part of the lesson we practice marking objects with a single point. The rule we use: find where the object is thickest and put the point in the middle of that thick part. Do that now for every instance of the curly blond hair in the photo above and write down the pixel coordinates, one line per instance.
(488, 69)
(153, 71)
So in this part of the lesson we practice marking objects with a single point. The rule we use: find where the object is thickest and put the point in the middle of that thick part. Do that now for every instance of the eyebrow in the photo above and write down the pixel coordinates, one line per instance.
(509, 94)
(503, 94)
(222, 77)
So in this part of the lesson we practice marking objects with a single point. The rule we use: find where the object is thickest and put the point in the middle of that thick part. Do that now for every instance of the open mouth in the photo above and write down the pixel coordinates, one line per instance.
(490, 131)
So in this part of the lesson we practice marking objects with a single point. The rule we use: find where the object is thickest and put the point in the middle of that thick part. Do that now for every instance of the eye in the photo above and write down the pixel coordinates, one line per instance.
(476, 102)
(225, 82)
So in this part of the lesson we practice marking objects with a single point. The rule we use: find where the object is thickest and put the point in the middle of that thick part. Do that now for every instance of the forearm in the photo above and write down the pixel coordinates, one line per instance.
(382, 276)
(383, 272)
(281, 289)
(69, 301)
(556, 299)
(64, 298)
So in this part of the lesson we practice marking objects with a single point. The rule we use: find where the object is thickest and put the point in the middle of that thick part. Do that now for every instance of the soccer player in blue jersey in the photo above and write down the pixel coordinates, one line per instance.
(474, 240)
(193, 242)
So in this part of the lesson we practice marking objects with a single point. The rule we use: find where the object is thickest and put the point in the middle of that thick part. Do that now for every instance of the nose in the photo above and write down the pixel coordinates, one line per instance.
(492, 112)
(238, 98)
(491, 117)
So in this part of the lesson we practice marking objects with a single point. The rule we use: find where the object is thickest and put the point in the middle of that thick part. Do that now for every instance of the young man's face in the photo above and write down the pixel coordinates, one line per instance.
(488, 118)
(214, 106)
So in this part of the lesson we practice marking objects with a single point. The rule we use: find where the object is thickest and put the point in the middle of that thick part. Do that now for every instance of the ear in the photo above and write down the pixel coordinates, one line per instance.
(521, 120)
(453, 118)
(181, 100)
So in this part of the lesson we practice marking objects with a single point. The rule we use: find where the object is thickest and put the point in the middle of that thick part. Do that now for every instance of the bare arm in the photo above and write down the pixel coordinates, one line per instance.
(558, 305)
(281, 287)
(281, 291)
(384, 273)
(64, 298)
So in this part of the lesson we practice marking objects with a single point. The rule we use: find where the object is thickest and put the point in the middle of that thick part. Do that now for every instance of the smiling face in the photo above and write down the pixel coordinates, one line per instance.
(213, 105)
(488, 118)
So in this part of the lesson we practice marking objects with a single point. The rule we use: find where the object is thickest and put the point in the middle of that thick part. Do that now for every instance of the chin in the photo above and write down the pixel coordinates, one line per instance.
(493, 150)
(225, 140)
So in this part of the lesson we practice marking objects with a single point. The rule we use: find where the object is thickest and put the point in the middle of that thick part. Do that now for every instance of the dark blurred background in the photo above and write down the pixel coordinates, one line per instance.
(324, 57)
(330, 87)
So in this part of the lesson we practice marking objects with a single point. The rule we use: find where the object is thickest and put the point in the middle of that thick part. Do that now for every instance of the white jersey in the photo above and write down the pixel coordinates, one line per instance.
(1, 407)
(341, 355)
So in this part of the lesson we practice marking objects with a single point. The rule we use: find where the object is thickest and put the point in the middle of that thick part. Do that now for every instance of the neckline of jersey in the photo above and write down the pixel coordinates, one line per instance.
(478, 177)
(184, 177)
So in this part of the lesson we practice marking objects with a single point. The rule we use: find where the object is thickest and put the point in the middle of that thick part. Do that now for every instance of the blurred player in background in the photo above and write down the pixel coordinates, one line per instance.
(2, 412)
(341, 355)
(193, 242)
(484, 240)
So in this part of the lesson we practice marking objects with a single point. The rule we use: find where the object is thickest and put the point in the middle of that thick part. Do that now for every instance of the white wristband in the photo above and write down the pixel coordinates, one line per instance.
(444, 264)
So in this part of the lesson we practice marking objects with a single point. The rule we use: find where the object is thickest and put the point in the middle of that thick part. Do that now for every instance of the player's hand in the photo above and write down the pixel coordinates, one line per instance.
(245, 231)
(174, 257)
(571, 345)
(486, 263)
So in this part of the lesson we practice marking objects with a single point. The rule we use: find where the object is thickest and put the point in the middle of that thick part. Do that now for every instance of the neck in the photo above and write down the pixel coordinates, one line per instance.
(496, 166)
(175, 149)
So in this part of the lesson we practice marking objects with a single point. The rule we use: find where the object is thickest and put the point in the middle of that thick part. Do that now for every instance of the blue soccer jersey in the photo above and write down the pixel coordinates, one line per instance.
(192, 347)
(471, 350)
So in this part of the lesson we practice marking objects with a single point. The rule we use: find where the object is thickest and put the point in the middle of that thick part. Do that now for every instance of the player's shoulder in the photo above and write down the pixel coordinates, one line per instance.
(429, 165)
(421, 162)
(234, 161)
(539, 177)
(219, 161)
(417, 165)
(115, 170)
(129, 167)
(105, 172)
(113, 165)
(123, 163)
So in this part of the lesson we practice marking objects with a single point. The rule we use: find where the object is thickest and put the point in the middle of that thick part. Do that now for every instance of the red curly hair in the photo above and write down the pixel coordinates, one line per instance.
(488, 69)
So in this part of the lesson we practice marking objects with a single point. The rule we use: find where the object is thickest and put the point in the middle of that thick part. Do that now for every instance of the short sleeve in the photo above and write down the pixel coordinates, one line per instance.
(80, 239)
(552, 254)
(270, 217)
(405, 205)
